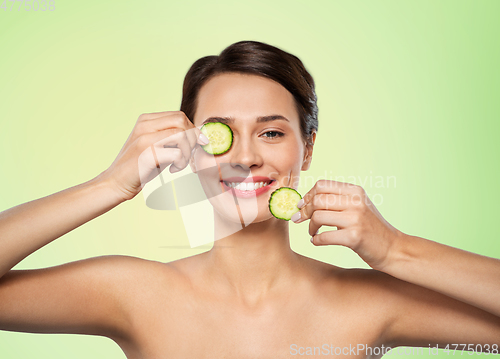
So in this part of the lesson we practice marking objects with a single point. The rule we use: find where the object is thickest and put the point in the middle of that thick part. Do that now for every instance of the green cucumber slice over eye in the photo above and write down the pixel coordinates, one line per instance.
(283, 203)
(220, 136)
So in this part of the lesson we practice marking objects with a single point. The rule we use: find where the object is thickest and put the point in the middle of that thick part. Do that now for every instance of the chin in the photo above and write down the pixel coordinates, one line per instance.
(247, 213)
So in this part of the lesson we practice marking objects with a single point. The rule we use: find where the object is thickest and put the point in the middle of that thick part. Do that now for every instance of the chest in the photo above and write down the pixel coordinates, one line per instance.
(204, 329)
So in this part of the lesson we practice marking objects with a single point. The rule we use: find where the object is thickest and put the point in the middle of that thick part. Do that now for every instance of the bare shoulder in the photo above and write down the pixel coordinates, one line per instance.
(355, 280)
(132, 273)
(357, 289)
(145, 278)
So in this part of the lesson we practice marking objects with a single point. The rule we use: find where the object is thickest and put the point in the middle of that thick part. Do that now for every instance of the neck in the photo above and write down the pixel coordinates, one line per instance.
(253, 261)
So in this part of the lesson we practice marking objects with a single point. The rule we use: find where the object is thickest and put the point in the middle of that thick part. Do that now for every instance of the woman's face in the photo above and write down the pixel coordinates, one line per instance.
(267, 150)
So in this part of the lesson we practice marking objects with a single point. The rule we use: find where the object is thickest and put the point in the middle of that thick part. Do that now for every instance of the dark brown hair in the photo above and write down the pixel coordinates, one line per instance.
(257, 58)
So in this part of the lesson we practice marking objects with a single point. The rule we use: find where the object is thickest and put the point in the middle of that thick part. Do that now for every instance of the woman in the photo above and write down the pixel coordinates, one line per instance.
(250, 296)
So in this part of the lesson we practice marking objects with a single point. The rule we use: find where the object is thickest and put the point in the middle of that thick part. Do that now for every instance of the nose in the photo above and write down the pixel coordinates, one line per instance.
(245, 153)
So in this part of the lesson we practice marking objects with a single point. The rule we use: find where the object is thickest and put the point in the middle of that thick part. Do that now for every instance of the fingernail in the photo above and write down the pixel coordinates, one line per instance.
(296, 217)
(301, 203)
(203, 139)
(312, 238)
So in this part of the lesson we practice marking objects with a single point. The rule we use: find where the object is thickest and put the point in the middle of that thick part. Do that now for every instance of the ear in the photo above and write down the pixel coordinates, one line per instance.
(308, 153)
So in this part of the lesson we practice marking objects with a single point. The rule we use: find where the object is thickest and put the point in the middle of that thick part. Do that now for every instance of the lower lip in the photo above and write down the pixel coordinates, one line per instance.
(247, 194)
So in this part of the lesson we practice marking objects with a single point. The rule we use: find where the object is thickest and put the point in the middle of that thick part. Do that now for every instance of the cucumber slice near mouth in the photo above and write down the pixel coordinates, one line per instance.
(220, 136)
(283, 203)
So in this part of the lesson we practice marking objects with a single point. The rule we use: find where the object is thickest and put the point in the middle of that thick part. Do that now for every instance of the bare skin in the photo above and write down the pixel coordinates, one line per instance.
(250, 296)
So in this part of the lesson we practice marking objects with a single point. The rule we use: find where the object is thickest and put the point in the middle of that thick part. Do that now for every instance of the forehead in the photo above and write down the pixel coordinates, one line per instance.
(244, 97)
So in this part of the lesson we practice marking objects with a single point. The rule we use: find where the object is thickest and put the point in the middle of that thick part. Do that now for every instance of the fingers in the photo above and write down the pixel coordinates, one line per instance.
(166, 156)
(152, 158)
(180, 122)
(323, 201)
(328, 218)
(339, 237)
(167, 139)
(334, 204)
(178, 140)
(329, 195)
(333, 187)
(154, 115)
(168, 129)
(144, 148)
(155, 122)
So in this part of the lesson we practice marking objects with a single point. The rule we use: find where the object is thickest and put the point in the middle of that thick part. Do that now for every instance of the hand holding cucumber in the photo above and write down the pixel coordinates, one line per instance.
(157, 139)
(360, 226)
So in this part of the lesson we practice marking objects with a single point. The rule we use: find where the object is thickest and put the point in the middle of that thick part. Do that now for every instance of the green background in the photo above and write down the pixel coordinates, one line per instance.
(406, 90)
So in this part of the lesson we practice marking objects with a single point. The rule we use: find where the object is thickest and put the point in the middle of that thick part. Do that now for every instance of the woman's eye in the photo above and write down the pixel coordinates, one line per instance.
(273, 134)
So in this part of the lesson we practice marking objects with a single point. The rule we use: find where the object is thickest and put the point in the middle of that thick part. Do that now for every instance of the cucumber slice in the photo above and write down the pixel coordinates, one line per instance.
(220, 136)
(283, 203)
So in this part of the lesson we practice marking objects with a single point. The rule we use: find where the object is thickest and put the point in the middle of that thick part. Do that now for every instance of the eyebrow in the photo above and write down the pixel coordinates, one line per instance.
(230, 120)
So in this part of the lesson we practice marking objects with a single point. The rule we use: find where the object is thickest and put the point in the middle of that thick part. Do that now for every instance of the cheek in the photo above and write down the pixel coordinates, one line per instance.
(289, 159)
(203, 160)
(288, 166)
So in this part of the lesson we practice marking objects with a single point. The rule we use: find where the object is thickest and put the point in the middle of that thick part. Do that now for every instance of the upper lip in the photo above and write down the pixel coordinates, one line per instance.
(254, 179)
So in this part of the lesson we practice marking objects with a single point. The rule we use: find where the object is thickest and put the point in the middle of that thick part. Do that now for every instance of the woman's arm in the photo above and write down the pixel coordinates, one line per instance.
(412, 315)
(30, 226)
(77, 297)
(465, 276)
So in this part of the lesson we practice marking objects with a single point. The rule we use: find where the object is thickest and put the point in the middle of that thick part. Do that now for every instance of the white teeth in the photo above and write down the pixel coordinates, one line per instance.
(246, 186)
